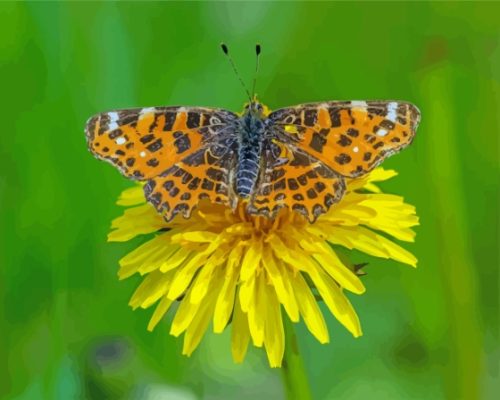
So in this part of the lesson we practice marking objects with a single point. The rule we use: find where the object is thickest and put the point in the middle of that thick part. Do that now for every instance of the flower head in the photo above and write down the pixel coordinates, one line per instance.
(236, 269)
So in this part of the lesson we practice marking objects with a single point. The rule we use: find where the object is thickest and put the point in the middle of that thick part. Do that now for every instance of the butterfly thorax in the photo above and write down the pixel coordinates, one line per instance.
(250, 137)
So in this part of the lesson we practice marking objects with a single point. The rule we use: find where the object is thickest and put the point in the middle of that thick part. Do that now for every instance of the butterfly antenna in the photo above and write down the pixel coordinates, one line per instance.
(257, 53)
(226, 52)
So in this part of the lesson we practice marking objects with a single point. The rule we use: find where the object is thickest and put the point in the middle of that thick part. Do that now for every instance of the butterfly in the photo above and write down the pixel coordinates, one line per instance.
(297, 157)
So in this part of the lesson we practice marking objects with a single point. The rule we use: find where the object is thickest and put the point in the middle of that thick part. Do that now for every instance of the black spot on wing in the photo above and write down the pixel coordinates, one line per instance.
(343, 159)
(207, 184)
(344, 141)
(292, 184)
(334, 116)
(153, 162)
(168, 185)
(169, 120)
(311, 193)
(114, 134)
(387, 124)
(352, 132)
(310, 117)
(181, 142)
(147, 138)
(193, 185)
(193, 120)
(298, 197)
(317, 142)
(174, 192)
(155, 146)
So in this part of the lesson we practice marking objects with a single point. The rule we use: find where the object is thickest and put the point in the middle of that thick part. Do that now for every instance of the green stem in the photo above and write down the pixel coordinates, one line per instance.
(293, 371)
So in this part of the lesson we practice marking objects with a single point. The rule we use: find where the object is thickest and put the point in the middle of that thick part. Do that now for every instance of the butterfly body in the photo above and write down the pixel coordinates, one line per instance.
(296, 157)
(251, 133)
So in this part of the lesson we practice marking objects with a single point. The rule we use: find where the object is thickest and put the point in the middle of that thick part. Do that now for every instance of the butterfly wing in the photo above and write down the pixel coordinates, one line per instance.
(314, 146)
(206, 174)
(144, 142)
(351, 137)
(155, 144)
(292, 178)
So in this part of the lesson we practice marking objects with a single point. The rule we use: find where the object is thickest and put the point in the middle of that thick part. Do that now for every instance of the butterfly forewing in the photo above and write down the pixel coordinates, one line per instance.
(351, 137)
(144, 142)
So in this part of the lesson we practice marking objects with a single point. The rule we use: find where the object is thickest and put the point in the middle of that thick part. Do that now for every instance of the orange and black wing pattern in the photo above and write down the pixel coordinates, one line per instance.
(206, 174)
(155, 144)
(351, 137)
(322, 143)
(295, 180)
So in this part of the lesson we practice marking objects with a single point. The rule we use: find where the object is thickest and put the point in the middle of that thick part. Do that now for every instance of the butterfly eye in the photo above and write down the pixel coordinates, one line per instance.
(258, 107)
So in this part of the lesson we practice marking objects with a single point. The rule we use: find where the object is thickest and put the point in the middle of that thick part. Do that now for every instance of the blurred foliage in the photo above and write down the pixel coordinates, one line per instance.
(67, 331)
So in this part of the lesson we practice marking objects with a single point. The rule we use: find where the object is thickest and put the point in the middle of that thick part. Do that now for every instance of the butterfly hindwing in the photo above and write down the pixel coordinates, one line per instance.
(206, 174)
(297, 181)
(350, 137)
(144, 142)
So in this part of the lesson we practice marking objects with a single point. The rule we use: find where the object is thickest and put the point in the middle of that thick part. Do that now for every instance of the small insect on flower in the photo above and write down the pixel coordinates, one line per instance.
(296, 157)
(264, 195)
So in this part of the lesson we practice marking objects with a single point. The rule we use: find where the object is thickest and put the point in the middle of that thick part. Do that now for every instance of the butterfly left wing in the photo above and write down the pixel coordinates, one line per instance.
(172, 148)
(350, 137)
(206, 174)
(144, 142)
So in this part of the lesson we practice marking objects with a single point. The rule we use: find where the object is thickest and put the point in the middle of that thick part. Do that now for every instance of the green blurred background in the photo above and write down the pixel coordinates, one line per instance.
(66, 330)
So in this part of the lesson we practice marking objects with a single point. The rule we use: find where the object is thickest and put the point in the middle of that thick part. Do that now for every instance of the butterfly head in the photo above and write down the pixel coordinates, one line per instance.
(256, 109)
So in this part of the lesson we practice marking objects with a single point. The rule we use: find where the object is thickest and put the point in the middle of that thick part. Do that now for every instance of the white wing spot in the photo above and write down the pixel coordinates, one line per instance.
(147, 110)
(382, 132)
(121, 140)
(142, 154)
(359, 104)
(391, 111)
(113, 120)
(355, 149)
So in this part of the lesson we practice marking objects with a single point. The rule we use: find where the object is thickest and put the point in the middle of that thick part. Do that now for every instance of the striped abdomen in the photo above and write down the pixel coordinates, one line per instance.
(248, 167)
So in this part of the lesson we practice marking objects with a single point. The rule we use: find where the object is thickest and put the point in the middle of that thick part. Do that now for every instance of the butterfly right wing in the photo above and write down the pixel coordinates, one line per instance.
(320, 144)
(350, 137)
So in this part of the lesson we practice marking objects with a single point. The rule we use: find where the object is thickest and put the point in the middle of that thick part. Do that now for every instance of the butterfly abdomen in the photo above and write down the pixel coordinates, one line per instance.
(249, 155)
(248, 169)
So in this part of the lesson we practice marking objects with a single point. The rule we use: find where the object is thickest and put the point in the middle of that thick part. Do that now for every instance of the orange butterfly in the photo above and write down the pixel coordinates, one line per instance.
(296, 157)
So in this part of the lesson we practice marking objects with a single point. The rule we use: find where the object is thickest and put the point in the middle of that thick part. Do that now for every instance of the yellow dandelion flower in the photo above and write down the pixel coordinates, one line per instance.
(241, 270)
